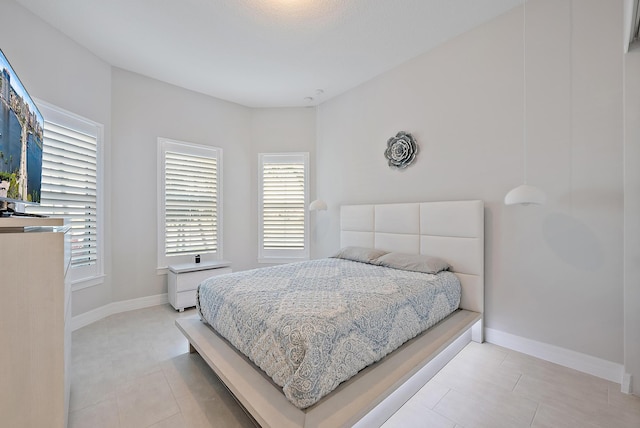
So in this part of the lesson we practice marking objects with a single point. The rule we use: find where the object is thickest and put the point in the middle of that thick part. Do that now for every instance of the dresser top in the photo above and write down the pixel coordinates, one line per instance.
(21, 222)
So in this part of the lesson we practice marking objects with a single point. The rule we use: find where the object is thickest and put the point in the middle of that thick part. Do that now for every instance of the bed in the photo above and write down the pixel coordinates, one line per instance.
(453, 231)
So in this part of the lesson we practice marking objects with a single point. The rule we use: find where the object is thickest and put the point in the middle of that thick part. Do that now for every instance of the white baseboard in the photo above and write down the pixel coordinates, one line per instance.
(565, 357)
(97, 314)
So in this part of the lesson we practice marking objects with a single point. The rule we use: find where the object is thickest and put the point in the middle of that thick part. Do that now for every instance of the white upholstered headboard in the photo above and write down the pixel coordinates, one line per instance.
(452, 230)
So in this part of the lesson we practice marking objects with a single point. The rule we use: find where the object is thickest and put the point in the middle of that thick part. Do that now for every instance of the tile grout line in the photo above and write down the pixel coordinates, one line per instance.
(517, 382)
(173, 394)
(506, 355)
(440, 414)
(535, 413)
(119, 412)
(441, 398)
(91, 404)
(164, 376)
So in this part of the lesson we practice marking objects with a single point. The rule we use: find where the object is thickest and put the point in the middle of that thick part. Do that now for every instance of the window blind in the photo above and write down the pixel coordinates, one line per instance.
(69, 188)
(283, 205)
(283, 198)
(191, 204)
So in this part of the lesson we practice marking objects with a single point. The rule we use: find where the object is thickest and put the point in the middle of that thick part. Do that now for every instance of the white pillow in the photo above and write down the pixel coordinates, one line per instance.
(413, 262)
(359, 254)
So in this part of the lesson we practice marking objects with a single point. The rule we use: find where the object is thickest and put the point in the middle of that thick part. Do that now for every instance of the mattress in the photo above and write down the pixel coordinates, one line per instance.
(312, 325)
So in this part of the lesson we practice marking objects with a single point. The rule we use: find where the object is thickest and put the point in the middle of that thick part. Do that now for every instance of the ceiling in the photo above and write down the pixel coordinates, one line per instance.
(264, 53)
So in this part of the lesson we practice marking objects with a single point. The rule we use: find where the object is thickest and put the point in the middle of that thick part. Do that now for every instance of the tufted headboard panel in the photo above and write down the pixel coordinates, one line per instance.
(451, 230)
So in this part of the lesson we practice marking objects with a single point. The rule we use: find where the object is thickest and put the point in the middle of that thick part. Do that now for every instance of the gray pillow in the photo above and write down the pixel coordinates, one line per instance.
(413, 262)
(359, 254)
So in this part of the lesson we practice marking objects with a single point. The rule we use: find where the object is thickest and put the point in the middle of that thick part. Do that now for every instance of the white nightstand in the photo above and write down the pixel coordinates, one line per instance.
(183, 280)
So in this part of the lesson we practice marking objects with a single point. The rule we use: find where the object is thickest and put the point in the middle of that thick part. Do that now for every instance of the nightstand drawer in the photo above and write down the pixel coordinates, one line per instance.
(185, 299)
(183, 280)
(189, 280)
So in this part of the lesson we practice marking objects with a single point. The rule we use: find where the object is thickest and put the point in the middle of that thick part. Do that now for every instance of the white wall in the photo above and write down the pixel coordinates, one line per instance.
(632, 218)
(462, 101)
(278, 130)
(145, 109)
(553, 272)
(57, 70)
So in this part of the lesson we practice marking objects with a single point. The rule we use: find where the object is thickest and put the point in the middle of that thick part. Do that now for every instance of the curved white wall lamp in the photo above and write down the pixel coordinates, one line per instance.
(525, 194)
(318, 205)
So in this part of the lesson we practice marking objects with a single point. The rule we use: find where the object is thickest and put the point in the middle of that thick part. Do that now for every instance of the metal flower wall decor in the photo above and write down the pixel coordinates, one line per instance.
(401, 150)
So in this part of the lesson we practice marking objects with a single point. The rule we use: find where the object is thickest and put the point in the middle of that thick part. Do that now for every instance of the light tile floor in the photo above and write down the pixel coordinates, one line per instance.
(134, 370)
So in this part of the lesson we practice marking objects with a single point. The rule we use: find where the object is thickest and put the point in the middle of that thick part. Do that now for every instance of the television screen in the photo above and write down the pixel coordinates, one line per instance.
(21, 136)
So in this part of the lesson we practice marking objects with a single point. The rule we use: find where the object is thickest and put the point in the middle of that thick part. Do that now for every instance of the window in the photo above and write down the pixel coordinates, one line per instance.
(283, 199)
(190, 202)
(72, 188)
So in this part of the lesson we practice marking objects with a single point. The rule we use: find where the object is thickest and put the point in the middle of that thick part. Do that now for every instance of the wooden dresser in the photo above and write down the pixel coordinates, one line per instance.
(35, 315)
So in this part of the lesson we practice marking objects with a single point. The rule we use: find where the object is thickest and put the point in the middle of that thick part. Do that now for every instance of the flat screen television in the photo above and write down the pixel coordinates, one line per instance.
(21, 137)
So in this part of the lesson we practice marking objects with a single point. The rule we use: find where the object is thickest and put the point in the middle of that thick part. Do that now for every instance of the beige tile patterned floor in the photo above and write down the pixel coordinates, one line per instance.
(133, 370)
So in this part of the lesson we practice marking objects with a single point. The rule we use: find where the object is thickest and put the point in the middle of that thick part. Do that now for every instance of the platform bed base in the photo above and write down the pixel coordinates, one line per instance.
(367, 399)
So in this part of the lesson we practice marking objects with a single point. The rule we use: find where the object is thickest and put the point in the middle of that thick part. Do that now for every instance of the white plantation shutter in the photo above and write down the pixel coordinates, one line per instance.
(70, 186)
(283, 205)
(190, 202)
(191, 224)
(283, 201)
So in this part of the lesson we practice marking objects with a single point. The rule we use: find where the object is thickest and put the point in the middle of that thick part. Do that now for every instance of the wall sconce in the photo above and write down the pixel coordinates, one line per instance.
(525, 195)
(318, 205)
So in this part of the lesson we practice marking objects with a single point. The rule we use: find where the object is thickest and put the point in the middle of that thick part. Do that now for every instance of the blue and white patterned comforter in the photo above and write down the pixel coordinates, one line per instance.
(312, 325)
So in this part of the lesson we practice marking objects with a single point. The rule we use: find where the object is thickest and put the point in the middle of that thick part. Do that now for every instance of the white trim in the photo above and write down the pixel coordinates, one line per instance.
(87, 282)
(565, 357)
(92, 275)
(193, 149)
(279, 260)
(284, 255)
(97, 314)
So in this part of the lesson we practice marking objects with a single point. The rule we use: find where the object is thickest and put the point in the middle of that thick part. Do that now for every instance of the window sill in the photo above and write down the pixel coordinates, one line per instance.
(83, 283)
(281, 260)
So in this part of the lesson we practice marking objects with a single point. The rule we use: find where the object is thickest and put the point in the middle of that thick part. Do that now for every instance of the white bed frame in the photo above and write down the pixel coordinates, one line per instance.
(451, 230)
